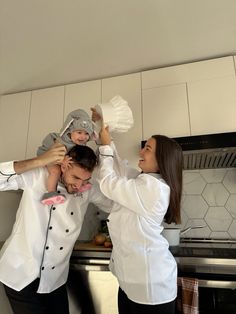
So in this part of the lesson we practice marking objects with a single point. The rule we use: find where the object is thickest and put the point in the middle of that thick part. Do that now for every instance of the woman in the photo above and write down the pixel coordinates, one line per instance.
(141, 261)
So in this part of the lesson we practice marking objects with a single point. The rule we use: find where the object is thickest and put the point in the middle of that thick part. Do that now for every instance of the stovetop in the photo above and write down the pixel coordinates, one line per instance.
(207, 248)
(189, 247)
(193, 256)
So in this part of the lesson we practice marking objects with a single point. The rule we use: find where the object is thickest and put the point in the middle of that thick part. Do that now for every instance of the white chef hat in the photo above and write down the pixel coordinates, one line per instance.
(116, 114)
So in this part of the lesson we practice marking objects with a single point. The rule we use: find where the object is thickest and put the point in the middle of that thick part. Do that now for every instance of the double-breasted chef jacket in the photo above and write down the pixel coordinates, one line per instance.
(141, 260)
(43, 237)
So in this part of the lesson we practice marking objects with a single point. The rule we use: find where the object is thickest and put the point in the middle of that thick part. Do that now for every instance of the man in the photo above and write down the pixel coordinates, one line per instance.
(34, 260)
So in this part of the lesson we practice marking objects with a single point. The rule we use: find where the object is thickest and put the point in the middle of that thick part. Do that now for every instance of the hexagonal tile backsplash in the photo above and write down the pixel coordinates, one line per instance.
(209, 200)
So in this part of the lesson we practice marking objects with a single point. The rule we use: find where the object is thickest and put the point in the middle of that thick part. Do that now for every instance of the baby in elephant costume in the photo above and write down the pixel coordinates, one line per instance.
(78, 129)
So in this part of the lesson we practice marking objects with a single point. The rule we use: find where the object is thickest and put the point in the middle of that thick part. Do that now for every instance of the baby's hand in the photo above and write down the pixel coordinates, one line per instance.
(67, 162)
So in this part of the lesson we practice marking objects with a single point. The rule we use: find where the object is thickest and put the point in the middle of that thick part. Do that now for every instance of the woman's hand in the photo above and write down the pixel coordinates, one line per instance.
(104, 135)
(95, 115)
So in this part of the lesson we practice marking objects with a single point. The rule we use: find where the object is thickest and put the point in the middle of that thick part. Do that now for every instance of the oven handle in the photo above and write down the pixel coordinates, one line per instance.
(90, 264)
(204, 283)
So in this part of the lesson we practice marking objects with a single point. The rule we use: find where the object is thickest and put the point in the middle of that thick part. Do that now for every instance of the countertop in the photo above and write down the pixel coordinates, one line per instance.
(90, 246)
(185, 249)
(191, 249)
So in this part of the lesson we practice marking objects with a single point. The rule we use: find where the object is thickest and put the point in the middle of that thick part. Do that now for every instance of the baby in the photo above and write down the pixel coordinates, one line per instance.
(78, 129)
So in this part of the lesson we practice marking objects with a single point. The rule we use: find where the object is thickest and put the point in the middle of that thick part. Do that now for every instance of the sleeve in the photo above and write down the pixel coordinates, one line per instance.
(9, 180)
(99, 199)
(48, 141)
(142, 194)
(121, 166)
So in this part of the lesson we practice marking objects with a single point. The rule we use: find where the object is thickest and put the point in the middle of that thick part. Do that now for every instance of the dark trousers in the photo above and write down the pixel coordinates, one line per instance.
(126, 306)
(28, 301)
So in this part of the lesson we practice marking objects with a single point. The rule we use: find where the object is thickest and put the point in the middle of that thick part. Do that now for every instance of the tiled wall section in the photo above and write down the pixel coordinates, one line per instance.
(209, 199)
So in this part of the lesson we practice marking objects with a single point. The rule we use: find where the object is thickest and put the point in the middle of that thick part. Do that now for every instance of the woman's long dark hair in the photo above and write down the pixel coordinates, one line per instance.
(170, 161)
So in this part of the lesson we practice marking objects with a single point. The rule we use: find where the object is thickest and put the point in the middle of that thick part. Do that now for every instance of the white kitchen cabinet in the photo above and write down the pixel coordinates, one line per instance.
(9, 202)
(129, 88)
(14, 116)
(235, 64)
(82, 96)
(46, 115)
(165, 111)
(212, 105)
(190, 72)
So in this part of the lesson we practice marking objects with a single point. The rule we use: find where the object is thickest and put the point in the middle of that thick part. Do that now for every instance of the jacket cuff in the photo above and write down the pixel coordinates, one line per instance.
(7, 168)
(106, 150)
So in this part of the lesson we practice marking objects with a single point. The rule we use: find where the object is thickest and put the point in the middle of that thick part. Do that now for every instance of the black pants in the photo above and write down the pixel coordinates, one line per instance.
(28, 301)
(126, 306)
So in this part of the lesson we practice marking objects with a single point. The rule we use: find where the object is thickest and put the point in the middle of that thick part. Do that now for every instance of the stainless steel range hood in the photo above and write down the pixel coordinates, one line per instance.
(208, 151)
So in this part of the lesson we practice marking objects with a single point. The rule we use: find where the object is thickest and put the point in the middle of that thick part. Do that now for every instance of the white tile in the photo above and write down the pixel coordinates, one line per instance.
(215, 194)
(184, 219)
(213, 175)
(194, 206)
(197, 233)
(220, 235)
(230, 181)
(232, 229)
(218, 218)
(231, 205)
(193, 183)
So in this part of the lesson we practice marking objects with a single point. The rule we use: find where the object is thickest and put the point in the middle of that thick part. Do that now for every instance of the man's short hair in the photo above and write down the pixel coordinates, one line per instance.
(83, 156)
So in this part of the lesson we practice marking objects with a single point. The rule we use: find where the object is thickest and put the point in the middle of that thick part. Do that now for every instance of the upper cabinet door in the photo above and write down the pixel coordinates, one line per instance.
(129, 88)
(82, 96)
(171, 108)
(212, 105)
(14, 117)
(190, 72)
(165, 111)
(46, 116)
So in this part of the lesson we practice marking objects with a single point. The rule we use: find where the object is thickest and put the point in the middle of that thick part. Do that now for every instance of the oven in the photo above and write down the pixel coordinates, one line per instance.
(92, 288)
(213, 263)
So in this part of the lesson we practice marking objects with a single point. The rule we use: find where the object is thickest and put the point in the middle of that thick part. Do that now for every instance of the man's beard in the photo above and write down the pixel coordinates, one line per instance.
(66, 185)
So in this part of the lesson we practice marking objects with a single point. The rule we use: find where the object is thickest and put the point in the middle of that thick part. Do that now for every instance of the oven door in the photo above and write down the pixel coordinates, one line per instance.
(92, 288)
(217, 293)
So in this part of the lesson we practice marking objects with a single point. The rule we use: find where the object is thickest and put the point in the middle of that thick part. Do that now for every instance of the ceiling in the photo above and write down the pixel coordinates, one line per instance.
(47, 43)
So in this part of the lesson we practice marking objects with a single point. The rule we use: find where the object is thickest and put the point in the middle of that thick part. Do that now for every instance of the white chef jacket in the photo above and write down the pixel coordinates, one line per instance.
(43, 237)
(141, 260)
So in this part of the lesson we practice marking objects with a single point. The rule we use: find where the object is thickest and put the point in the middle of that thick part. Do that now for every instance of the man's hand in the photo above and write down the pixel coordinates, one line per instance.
(54, 155)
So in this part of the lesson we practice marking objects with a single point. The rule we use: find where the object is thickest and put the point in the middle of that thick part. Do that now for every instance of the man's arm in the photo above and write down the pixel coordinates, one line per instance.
(54, 155)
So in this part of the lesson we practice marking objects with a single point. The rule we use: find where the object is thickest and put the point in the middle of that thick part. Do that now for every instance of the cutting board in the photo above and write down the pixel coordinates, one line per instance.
(90, 246)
